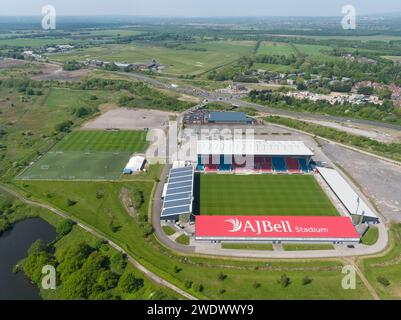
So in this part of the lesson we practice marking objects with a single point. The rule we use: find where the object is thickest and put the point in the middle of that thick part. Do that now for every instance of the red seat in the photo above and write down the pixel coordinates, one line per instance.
(293, 165)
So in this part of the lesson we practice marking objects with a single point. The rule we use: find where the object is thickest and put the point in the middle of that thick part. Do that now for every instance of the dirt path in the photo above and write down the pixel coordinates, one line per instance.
(127, 202)
(365, 281)
(135, 263)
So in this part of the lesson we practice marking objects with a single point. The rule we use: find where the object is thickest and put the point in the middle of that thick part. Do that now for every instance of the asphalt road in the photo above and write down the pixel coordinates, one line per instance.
(234, 99)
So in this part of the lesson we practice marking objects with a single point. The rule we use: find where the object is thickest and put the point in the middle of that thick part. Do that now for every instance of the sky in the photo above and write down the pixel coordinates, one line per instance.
(198, 8)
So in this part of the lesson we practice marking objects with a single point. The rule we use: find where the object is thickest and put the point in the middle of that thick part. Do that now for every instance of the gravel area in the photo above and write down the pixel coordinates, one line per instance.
(130, 119)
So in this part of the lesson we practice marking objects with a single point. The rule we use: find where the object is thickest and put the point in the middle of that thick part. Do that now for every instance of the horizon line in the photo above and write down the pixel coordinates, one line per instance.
(198, 17)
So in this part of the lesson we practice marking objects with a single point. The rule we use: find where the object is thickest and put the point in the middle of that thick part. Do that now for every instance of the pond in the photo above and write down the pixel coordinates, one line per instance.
(14, 245)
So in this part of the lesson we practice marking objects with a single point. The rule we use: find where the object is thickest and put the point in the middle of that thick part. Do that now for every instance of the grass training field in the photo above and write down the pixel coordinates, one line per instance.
(129, 141)
(87, 155)
(273, 195)
(74, 165)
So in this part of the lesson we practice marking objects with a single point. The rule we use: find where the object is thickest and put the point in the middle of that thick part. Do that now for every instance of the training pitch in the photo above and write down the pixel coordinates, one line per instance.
(87, 155)
(272, 195)
(106, 141)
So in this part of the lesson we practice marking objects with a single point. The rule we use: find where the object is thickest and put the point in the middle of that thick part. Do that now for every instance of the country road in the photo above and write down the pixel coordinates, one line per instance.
(153, 277)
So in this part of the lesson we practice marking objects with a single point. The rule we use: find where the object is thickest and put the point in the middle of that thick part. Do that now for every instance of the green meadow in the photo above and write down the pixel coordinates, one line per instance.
(192, 58)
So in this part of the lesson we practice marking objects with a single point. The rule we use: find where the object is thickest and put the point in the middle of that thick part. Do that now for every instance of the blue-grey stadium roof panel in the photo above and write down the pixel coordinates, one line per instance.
(176, 211)
(178, 190)
(180, 179)
(187, 196)
(178, 203)
(180, 184)
(178, 170)
(179, 194)
(180, 174)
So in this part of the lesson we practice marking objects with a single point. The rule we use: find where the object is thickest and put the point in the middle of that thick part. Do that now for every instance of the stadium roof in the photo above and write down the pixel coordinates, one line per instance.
(179, 192)
(253, 147)
(220, 116)
(347, 195)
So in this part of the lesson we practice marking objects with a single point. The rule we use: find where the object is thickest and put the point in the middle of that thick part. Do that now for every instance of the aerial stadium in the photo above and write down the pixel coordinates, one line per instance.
(263, 191)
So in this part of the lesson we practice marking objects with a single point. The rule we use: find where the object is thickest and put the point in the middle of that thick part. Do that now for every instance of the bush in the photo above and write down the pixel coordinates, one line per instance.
(4, 225)
(71, 202)
(188, 284)
(177, 269)
(137, 199)
(118, 263)
(198, 287)
(284, 281)
(128, 283)
(82, 112)
(147, 229)
(72, 65)
(306, 280)
(37, 247)
(256, 285)
(64, 126)
(99, 194)
(221, 276)
(384, 281)
(108, 279)
(64, 227)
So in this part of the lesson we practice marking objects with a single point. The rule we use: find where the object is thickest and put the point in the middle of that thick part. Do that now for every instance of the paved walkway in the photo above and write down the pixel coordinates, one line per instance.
(339, 251)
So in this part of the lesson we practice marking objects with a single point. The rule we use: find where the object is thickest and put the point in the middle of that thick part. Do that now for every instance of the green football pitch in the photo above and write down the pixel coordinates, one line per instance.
(129, 141)
(87, 155)
(274, 195)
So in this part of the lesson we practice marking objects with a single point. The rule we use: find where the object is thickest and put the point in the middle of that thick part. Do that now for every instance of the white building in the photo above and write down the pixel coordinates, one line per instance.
(135, 164)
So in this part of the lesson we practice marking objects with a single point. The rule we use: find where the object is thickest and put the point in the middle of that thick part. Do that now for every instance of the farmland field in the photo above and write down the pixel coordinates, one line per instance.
(194, 58)
(87, 155)
(275, 48)
(273, 195)
(312, 50)
(274, 67)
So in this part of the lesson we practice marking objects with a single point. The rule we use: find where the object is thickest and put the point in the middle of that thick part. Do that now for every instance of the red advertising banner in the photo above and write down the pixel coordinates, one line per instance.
(275, 227)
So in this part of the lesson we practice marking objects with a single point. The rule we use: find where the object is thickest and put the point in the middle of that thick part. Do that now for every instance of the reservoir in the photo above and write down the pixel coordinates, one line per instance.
(14, 245)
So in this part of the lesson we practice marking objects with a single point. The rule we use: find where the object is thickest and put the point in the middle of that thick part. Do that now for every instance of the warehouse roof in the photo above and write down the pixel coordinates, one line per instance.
(219, 116)
(253, 147)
